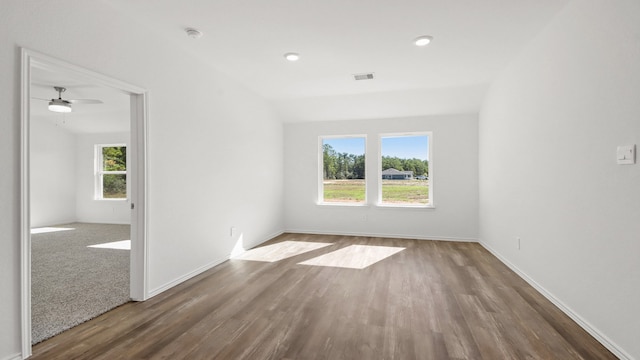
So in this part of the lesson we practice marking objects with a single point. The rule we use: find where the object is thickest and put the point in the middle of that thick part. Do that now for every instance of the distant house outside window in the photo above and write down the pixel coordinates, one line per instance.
(393, 174)
(342, 170)
(111, 172)
(404, 164)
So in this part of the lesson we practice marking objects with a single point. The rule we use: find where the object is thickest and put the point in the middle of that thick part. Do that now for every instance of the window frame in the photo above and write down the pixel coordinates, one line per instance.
(320, 198)
(100, 172)
(429, 135)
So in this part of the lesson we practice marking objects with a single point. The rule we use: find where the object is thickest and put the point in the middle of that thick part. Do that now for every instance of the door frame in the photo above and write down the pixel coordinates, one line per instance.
(138, 171)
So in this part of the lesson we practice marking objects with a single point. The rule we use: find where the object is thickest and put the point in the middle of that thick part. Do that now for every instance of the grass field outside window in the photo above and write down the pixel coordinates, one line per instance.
(394, 191)
(405, 192)
(344, 190)
(406, 174)
(342, 172)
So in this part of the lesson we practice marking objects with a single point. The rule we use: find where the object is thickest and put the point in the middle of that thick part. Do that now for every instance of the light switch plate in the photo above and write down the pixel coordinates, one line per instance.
(626, 154)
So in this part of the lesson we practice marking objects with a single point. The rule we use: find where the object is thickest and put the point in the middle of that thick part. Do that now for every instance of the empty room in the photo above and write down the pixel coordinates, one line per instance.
(321, 179)
(79, 215)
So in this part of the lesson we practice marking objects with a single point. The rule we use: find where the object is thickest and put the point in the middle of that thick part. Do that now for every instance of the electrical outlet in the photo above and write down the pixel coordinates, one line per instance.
(232, 231)
(364, 218)
(518, 242)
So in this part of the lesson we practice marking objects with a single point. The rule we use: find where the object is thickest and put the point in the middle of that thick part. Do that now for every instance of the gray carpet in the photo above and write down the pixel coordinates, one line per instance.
(71, 283)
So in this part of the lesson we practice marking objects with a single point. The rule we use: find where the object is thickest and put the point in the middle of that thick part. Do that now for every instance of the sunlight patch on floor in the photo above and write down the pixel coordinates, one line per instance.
(354, 256)
(280, 251)
(44, 230)
(118, 245)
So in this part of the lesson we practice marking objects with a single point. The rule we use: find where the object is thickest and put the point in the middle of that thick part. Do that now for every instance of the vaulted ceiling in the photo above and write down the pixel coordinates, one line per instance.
(473, 41)
(246, 39)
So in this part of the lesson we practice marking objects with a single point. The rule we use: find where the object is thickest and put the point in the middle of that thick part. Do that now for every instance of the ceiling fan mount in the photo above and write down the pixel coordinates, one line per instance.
(60, 90)
(59, 105)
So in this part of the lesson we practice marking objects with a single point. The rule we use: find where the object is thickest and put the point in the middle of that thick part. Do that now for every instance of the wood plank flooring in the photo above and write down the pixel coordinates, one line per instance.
(432, 300)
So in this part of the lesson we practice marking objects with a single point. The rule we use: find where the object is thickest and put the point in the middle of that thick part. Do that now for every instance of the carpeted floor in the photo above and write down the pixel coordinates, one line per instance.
(72, 283)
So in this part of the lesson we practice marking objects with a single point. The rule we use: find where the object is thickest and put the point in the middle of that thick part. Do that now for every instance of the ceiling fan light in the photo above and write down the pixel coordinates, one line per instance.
(60, 106)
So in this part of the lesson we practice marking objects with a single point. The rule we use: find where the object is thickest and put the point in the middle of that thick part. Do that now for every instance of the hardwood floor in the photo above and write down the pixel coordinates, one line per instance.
(431, 300)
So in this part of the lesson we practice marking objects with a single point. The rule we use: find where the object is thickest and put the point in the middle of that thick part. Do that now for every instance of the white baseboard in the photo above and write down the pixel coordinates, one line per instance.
(185, 277)
(87, 221)
(200, 270)
(14, 357)
(53, 224)
(394, 236)
(598, 335)
(267, 238)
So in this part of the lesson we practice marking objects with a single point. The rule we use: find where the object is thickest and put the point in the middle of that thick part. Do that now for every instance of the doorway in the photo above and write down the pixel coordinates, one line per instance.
(34, 65)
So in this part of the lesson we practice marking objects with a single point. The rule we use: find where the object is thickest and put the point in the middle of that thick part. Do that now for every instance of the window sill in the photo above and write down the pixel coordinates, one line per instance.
(111, 199)
(344, 204)
(405, 206)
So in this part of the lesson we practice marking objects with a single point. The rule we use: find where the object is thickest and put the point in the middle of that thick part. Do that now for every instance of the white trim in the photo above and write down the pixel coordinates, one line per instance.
(267, 238)
(404, 206)
(14, 357)
(320, 176)
(99, 172)
(91, 221)
(139, 121)
(25, 207)
(592, 330)
(429, 135)
(186, 277)
(139, 277)
(346, 204)
(48, 63)
(320, 198)
(203, 268)
(394, 236)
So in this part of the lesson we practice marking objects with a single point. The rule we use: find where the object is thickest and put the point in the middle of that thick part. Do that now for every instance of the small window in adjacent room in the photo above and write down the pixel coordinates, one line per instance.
(111, 172)
(405, 178)
(342, 172)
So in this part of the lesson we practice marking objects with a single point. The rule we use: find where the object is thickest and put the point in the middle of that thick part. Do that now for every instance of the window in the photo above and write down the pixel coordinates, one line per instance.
(405, 175)
(111, 174)
(342, 173)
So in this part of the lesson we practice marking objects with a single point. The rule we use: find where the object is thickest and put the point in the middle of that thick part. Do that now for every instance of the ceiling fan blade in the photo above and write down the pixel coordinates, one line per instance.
(37, 98)
(85, 101)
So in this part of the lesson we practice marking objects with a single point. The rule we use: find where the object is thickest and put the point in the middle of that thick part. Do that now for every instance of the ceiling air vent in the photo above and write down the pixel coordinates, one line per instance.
(366, 76)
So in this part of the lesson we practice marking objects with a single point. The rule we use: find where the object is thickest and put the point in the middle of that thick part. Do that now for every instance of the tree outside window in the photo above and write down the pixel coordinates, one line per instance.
(343, 170)
(112, 172)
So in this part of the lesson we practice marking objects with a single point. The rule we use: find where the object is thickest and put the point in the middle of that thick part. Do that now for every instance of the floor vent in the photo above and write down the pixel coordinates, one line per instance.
(366, 76)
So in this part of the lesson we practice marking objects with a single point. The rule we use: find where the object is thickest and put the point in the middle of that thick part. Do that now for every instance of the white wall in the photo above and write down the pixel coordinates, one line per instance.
(454, 163)
(62, 177)
(549, 129)
(88, 209)
(202, 124)
(53, 170)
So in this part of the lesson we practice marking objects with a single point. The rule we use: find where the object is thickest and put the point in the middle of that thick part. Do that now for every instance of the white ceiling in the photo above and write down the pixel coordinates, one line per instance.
(246, 39)
(109, 117)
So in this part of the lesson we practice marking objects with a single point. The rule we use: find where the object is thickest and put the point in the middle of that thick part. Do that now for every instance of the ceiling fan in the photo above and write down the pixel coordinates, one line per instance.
(64, 105)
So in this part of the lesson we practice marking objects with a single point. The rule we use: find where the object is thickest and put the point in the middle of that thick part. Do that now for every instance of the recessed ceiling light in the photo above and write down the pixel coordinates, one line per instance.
(423, 40)
(292, 56)
(193, 33)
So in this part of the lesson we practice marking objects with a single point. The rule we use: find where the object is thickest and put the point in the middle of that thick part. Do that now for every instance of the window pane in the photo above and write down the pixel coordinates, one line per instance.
(343, 169)
(114, 158)
(114, 186)
(405, 169)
